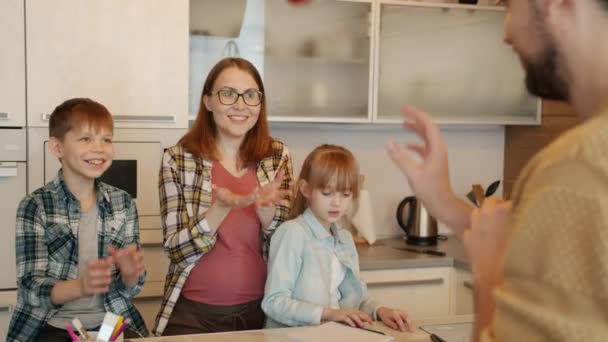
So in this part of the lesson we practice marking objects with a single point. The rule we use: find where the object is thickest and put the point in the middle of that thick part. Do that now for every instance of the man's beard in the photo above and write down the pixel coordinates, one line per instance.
(543, 78)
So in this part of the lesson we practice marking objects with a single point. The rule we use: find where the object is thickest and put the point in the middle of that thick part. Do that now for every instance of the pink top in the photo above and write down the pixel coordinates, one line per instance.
(233, 272)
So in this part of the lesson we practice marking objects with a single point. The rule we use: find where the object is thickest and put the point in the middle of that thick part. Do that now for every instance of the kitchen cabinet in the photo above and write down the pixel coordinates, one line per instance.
(149, 299)
(318, 72)
(523, 142)
(12, 181)
(451, 61)
(8, 300)
(363, 59)
(422, 292)
(12, 64)
(220, 29)
(461, 301)
(131, 56)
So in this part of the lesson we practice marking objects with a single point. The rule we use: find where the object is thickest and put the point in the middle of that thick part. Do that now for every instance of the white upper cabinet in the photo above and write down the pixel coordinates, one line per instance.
(220, 29)
(314, 58)
(317, 61)
(132, 56)
(449, 60)
(12, 64)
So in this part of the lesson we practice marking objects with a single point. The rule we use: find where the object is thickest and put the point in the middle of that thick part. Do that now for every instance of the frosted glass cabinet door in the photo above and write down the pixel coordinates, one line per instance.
(12, 64)
(317, 61)
(451, 61)
(132, 56)
(220, 29)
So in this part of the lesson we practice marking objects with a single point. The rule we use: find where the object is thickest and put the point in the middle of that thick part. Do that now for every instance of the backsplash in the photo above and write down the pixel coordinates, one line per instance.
(475, 156)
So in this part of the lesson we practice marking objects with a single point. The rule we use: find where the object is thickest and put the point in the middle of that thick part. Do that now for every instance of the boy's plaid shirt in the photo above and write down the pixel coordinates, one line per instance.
(185, 196)
(47, 252)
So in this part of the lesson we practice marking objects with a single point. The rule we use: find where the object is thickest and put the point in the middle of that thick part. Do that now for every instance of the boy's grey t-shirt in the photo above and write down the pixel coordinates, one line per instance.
(89, 310)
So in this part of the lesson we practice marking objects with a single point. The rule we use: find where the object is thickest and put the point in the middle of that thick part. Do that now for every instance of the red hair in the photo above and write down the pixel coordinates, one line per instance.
(201, 139)
(77, 112)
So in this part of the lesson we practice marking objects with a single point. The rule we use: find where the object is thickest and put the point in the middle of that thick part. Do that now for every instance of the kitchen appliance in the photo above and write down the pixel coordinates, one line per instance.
(419, 226)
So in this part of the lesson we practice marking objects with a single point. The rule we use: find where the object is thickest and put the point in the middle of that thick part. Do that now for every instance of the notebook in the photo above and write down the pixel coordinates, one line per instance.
(333, 331)
(455, 332)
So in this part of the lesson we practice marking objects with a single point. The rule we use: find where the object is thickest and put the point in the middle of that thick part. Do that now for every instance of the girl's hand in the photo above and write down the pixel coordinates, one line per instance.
(352, 317)
(394, 319)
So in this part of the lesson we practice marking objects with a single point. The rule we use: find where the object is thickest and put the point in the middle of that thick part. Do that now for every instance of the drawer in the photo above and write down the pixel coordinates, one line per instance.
(148, 308)
(12, 181)
(156, 262)
(422, 292)
(12, 144)
(134, 169)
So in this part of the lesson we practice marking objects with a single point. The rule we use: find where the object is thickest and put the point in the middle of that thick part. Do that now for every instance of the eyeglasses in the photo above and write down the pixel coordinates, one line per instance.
(230, 96)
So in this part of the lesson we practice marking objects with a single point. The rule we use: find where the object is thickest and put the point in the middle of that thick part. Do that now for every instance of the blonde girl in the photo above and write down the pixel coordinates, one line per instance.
(313, 270)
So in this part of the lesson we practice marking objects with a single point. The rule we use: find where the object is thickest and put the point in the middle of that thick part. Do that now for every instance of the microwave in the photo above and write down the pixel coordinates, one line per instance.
(135, 168)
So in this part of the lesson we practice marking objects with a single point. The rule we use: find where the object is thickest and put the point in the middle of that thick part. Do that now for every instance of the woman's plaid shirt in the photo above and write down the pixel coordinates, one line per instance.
(185, 196)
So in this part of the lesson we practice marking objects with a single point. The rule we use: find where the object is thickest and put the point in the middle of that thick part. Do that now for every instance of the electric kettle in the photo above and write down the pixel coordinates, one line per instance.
(419, 226)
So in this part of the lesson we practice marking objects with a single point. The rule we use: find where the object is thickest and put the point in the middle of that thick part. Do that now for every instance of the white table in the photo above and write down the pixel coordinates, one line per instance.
(276, 335)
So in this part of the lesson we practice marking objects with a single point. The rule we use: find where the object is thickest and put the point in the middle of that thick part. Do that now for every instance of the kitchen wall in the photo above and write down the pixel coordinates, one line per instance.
(475, 156)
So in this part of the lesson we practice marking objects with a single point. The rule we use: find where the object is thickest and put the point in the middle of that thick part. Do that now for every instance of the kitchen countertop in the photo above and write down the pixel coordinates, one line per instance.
(382, 255)
(288, 334)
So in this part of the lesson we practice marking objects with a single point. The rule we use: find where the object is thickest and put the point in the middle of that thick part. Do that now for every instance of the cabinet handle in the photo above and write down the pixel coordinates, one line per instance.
(6, 308)
(146, 118)
(468, 284)
(4, 116)
(431, 281)
(133, 118)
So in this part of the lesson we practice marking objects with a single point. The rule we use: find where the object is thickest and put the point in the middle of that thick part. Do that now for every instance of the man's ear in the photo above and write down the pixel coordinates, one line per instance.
(304, 188)
(56, 147)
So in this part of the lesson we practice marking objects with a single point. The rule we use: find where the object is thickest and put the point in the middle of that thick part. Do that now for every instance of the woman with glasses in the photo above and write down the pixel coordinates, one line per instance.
(224, 188)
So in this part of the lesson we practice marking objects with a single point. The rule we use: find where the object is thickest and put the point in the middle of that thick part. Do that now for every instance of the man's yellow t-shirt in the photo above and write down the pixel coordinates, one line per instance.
(556, 267)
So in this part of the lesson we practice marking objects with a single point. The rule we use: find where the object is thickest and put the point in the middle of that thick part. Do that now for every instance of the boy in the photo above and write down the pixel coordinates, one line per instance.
(77, 239)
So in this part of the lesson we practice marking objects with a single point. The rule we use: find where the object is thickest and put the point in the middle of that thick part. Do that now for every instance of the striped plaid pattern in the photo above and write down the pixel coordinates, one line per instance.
(185, 195)
(47, 252)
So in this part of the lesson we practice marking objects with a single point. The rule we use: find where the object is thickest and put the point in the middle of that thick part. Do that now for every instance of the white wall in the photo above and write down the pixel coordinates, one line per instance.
(475, 154)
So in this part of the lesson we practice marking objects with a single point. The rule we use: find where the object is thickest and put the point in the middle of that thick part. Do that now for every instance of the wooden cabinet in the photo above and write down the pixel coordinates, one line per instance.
(131, 56)
(523, 142)
(422, 292)
(12, 64)
(451, 61)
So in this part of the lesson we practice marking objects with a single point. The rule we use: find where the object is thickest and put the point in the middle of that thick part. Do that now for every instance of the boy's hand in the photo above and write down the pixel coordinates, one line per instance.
(96, 277)
(352, 317)
(130, 262)
(394, 319)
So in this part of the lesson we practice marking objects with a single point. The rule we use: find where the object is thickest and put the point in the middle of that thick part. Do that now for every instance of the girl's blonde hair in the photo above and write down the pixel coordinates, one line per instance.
(320, 167)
